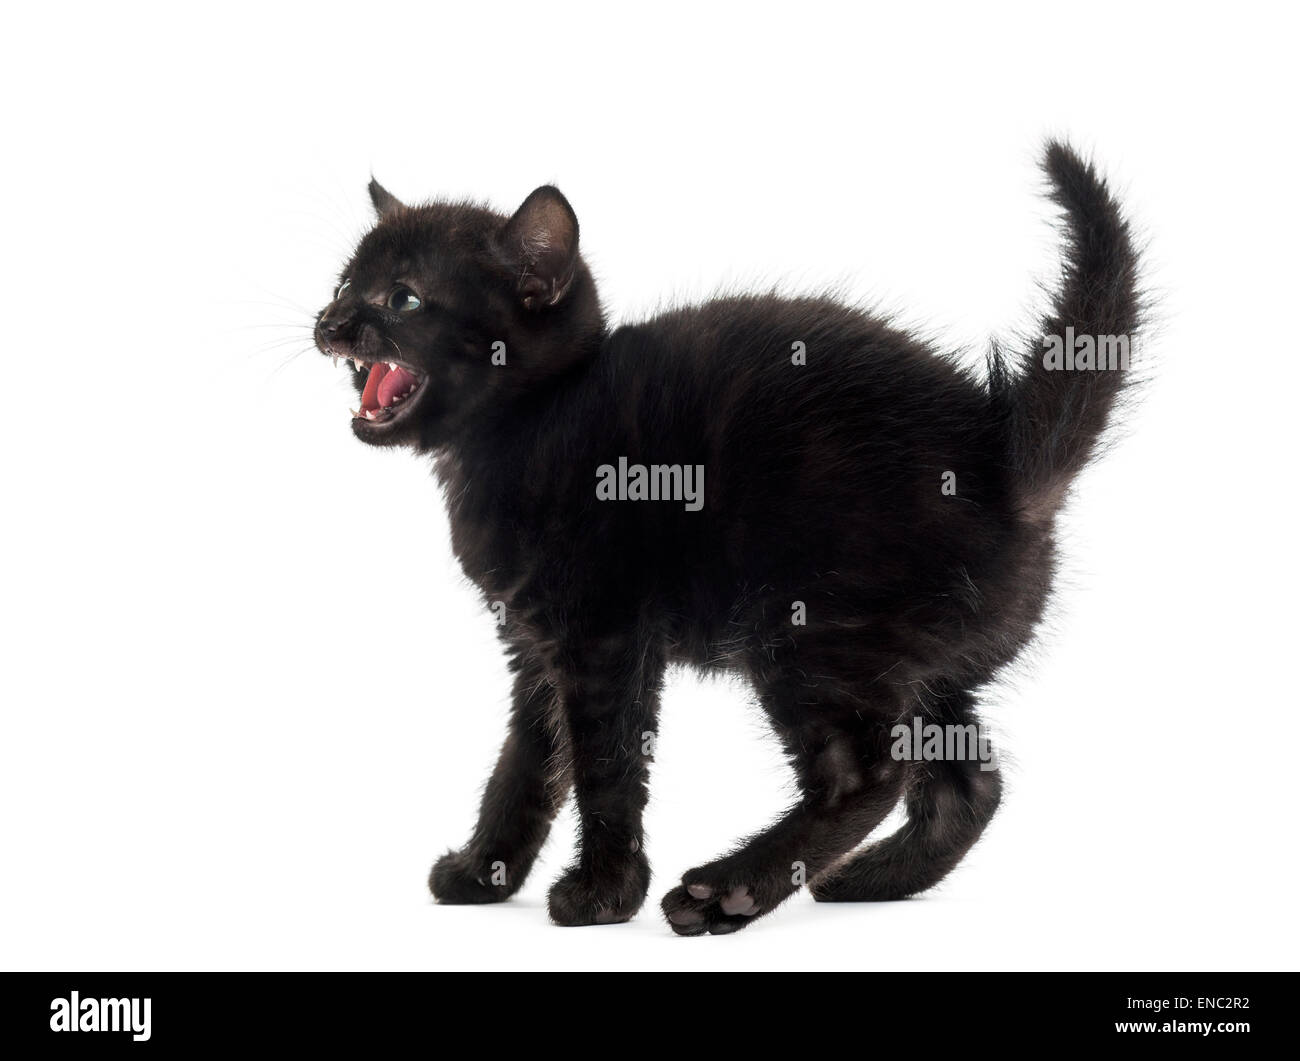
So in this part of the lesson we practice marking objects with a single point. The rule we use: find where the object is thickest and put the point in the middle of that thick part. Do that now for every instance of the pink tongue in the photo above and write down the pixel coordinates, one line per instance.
(396, 382)
(370, 396)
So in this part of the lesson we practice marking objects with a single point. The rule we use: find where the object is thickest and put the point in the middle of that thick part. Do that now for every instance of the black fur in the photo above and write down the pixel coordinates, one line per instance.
(823, 484)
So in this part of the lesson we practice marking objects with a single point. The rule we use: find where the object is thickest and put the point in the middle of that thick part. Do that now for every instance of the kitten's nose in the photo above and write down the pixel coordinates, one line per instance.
(330, 325)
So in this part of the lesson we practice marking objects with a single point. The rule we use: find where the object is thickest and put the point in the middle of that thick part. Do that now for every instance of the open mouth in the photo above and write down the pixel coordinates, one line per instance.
(389, 392)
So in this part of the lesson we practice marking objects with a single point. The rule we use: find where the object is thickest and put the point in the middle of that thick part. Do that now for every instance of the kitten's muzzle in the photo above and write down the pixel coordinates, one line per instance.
(389, 389)
(334, 328)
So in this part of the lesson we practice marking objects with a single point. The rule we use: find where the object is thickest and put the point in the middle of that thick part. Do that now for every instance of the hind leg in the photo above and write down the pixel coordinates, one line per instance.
(850, 783)
(949, 803)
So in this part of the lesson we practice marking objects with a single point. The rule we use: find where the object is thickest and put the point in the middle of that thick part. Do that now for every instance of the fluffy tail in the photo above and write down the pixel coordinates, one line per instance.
(1057, 408)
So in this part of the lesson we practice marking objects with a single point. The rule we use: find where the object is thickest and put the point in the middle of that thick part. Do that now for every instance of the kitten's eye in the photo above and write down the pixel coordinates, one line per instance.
(403, 299)
(342, 287)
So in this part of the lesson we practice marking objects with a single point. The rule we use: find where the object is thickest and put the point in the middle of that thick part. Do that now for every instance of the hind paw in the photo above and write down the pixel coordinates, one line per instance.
(718, 906)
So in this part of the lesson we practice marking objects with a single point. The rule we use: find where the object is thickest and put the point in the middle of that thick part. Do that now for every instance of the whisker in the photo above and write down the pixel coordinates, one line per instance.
(286, 362)
(299, 326)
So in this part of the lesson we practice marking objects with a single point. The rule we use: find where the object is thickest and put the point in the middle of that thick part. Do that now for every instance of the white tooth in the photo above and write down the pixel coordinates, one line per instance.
(392, 365)
(354, 413)
(358, 362)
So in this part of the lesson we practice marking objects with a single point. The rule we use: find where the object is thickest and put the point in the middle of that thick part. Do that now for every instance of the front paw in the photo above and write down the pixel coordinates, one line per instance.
(604, 896)
(460, 877)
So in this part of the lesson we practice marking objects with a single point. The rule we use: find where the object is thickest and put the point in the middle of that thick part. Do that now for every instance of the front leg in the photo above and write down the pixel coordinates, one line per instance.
(523, 795)
(610, 691)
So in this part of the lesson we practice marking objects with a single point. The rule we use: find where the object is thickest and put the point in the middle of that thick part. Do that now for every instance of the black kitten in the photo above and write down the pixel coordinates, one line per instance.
(787, 489)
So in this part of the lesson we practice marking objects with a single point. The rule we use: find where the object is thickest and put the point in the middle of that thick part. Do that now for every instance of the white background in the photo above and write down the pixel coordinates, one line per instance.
(248, 696)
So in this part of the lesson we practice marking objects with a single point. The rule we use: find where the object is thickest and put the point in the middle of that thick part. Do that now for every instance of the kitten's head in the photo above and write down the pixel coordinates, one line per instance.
(449, 312)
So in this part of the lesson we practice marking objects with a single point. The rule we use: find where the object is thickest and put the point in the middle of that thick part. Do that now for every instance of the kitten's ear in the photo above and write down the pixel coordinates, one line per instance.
(385, 202)
(540, 244)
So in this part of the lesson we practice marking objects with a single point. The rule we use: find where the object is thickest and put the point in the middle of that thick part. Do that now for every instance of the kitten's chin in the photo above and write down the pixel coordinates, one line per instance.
(395, 433)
